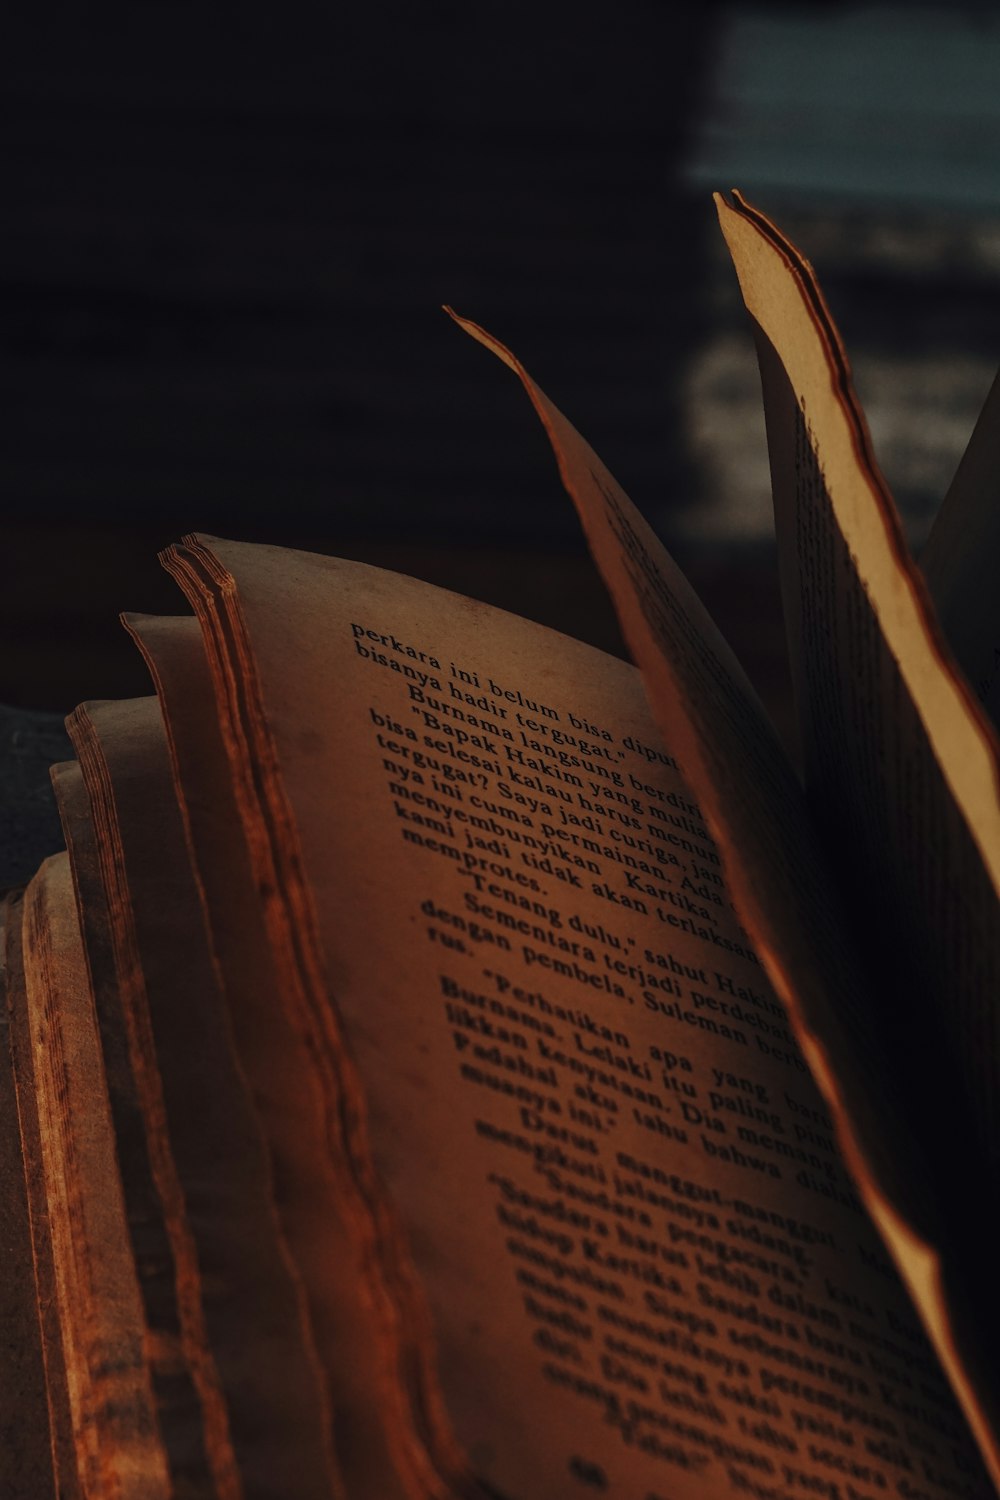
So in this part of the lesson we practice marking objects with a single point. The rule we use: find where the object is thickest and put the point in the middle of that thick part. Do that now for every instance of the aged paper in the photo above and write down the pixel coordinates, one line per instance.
(580, 1115)
(901, 772)
(777, 870)
(896, 748)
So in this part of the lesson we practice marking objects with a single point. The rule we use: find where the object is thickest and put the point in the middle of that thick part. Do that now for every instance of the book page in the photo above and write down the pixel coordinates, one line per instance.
(603, 1196)
(959, 559)
(901, 772)
(781, 880)
(784, 877)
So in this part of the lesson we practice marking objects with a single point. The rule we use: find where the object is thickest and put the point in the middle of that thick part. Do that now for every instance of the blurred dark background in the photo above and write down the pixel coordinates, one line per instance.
(229, 230)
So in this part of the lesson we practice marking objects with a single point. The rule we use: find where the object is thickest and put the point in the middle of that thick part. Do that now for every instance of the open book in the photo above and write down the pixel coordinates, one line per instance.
(451, 1062)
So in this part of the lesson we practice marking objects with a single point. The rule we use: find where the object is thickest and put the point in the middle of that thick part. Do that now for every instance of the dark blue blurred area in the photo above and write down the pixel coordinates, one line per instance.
(229, 231)
(230, 234)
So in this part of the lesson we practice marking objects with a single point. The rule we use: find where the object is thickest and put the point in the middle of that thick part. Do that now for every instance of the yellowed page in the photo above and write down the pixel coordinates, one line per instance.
(112, 1413)
(611, 1239)
(901, 770)
(895, 745)
(960, 558)
(777, 870)
(922, 1183)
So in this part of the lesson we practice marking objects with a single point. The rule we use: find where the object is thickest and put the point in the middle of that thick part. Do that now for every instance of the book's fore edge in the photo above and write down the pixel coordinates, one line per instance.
(174, 1394)
(146, 632)
(115, 1438)
(919, 1262)
(66, 1464)
(52, 1471)
(219, 1455)
(426, 1452)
